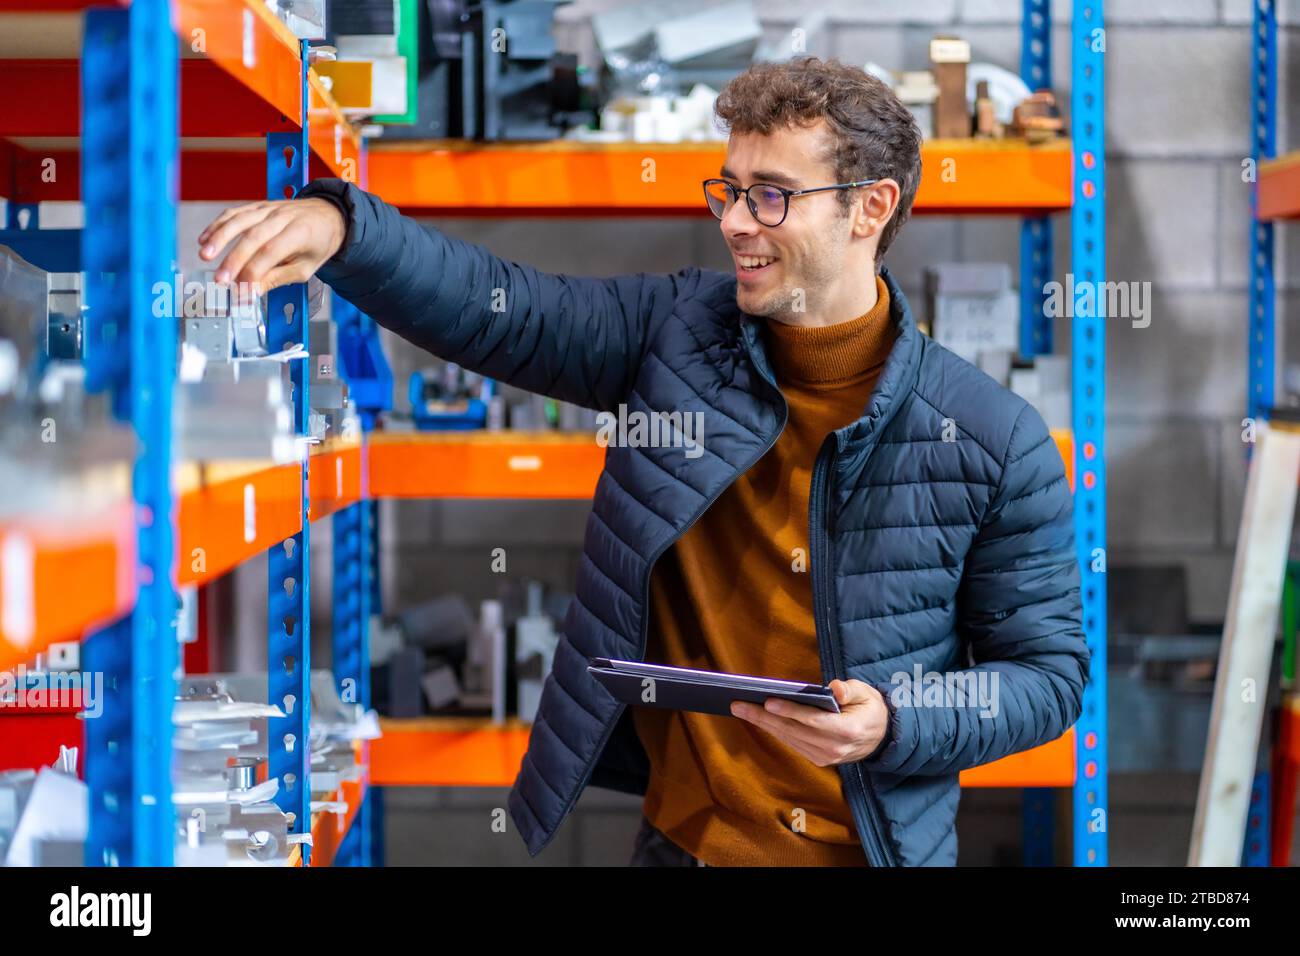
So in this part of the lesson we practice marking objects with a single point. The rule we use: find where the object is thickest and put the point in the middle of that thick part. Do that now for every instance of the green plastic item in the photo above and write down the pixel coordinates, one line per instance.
(1290, 621)
(408, 45)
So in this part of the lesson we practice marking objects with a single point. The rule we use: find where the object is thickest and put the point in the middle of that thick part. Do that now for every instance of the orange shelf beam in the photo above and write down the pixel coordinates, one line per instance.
(569, 178)
(248, 42)
(1279, 188)
(334, 478)
(1064, 439)
(471, 752)
(1049, 765)
(483, 465)
(329, 829)
(447, 752)
(244, 39)
(239, 78)
(510, 465)
(229, 513)
(229, 518)
(60, 578)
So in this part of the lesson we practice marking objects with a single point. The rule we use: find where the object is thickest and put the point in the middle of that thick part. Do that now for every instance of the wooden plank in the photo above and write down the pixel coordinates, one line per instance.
(1241, 684)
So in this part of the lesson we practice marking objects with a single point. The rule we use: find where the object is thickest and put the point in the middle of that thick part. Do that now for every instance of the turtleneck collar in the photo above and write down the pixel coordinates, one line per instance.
(833, 354)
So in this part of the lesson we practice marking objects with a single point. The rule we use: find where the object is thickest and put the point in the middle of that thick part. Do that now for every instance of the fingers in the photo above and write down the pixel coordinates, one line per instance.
(813, 717)
(225, 216)
(233, 267)
(280, 249)
(222, 217)
(231, 224)
(813, 745)
(296, 271)
(851, 691)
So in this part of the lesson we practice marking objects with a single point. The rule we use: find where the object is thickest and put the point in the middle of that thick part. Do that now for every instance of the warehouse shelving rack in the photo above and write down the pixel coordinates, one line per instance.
(563, 179)
(1276, 198)
(122, 558)
(117, 112)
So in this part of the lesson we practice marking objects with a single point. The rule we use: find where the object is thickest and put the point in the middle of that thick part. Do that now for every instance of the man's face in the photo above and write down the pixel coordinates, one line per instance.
(795, 268)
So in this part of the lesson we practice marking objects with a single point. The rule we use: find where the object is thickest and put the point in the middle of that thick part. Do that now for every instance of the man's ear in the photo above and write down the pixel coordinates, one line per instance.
(876, 205)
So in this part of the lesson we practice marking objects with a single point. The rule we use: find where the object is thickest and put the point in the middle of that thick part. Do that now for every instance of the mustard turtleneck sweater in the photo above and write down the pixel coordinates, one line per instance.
(734, 595)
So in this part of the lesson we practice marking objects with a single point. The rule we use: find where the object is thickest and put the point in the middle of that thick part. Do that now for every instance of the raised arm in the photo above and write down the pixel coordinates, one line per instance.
(576, 339)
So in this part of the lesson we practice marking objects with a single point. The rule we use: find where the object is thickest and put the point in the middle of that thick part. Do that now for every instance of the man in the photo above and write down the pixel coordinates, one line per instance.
(868, 510)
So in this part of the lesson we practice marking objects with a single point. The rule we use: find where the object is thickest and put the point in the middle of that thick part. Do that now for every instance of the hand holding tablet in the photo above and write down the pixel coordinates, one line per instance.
(705, 692)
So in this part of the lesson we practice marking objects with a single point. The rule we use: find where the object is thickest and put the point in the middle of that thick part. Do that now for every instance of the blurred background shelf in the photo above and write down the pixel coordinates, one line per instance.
(564, 178)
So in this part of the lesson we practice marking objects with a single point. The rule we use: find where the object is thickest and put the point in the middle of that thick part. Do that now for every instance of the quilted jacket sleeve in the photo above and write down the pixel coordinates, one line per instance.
(1020, 614)
(576, 339)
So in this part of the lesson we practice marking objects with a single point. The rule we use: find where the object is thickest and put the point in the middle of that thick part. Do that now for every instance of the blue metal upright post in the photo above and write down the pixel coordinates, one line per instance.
(1088, 400)
(1255, 849)
(288, 564)
(54, 250)
(351, 630)
(1035, 231)
(1263, 144)
(1038, 803)
(370, 387)
(129, 141)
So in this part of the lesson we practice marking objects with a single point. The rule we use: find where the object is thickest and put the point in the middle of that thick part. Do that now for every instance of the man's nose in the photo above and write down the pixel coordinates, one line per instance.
(738, 220)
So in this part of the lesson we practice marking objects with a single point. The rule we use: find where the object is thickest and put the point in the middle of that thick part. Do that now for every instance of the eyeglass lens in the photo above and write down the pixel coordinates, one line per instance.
(767, 203)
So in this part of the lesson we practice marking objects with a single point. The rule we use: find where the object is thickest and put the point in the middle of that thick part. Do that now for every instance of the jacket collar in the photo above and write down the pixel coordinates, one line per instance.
(896, 379)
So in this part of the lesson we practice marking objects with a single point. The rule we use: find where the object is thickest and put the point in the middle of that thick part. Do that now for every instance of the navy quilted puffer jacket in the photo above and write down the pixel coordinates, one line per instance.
(941, 531)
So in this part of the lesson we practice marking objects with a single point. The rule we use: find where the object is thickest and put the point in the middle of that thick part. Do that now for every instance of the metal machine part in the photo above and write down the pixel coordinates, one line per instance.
(449, 398)
(24, 309)
(491, 71)
(237, 411)
(216, 322)
(306, 18)
(242, 773)
(54, 437)
(328, 390)
(63, 327)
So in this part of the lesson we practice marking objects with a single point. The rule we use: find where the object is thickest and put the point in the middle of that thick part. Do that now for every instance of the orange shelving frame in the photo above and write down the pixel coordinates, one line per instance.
(510, 465)
(1279, 187)
(483, 465)
(240, 79)
(466, 752)
(61, 577)
(571, 178)
(335, 478)
(247, 42)
(447, 752)
(231, 513)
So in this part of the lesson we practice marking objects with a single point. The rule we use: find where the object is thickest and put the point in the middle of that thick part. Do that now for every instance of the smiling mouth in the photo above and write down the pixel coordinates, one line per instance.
(754, 263)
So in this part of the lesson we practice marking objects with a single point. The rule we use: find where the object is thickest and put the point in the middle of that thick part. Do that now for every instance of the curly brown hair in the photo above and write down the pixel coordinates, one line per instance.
(874, 136)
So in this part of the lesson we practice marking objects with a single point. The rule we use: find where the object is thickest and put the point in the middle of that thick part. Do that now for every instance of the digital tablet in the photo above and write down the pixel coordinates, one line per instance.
(704, 692)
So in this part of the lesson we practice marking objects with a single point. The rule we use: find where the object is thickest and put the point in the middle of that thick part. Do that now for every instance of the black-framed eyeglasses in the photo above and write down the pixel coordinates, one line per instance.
(769, 204)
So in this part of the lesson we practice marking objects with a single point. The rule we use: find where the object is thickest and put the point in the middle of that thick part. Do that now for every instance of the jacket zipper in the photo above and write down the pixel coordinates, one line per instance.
(645, 592)
(862, 798)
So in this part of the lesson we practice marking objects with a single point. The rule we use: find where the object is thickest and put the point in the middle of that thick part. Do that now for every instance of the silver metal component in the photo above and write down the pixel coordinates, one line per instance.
(243, 773)
(63, 327)
(238, 411)
(211, 335)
